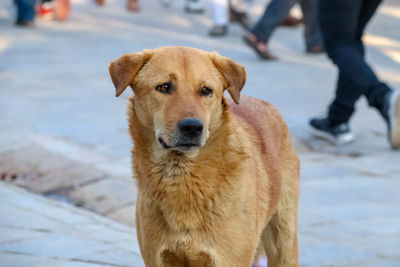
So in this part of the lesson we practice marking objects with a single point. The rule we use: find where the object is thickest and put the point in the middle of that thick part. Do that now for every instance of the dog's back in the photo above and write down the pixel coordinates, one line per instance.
(273, 140)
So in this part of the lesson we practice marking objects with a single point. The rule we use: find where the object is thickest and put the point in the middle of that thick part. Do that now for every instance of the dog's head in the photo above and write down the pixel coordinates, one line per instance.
(178, 92)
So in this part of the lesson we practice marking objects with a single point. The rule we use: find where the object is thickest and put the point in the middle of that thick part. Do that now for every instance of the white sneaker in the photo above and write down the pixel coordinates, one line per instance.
(193, 6)
(394, 119)
(339, 134)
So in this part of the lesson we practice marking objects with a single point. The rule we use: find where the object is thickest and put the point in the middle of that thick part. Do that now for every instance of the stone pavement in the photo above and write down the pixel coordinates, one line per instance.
(36, 231)
(63, 134)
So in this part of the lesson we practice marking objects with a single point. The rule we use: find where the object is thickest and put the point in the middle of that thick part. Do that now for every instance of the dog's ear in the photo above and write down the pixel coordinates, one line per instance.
(124, 69)
(234, 74)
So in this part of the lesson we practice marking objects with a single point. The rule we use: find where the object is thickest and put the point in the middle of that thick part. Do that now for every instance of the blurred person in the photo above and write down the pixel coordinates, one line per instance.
(25, 13)
(225, 11)
(237, 11)
(275, 13)
(343, 23)
(131, 5)
(49, 9)
(44, 9)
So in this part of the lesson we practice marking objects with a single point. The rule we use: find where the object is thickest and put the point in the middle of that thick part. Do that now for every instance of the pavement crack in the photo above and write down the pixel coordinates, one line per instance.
(26, 228)
(65, 259)
(119, 208)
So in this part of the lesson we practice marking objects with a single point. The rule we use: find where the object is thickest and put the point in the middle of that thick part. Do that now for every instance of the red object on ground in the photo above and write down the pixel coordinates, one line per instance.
(133, 5)
(291, 21)
(62, 9)
(45, 11)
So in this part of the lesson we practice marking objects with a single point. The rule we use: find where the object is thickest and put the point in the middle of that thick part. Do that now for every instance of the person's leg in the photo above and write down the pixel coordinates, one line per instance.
(239, 5)
(274, 14)
(343, 23)
(220, 12)
(312, 32)
(340, 23)
(220, 17)
(383, 98)
(375, 94)
(25, 11)
(238, 10)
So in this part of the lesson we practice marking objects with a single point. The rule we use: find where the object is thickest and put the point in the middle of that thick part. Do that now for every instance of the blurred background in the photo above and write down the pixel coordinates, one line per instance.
(64, 138)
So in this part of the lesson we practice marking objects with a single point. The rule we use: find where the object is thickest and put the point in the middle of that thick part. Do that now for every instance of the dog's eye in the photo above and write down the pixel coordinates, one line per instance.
(205, 91)
(165, 88)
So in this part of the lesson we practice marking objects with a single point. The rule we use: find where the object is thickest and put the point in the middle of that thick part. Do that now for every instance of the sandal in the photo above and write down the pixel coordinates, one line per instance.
(133, 5)
(264, 54)
(100, 2)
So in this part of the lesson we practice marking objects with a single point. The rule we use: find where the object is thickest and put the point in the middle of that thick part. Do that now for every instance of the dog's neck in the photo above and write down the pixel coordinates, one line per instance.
(183, 184)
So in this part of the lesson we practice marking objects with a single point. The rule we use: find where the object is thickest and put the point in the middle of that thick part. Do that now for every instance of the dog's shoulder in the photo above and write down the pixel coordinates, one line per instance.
(262, 120)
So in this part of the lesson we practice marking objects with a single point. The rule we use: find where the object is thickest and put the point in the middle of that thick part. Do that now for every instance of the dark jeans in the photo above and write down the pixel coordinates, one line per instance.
(25, 10)
(342, 24)
(278, 10)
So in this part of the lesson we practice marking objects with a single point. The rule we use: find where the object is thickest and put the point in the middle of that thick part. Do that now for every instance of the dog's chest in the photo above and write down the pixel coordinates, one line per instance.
(188, 201)
(187, 204)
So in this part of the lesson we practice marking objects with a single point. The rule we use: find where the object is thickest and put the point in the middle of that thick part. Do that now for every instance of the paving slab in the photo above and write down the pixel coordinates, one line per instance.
(65, 179)
(36, 231)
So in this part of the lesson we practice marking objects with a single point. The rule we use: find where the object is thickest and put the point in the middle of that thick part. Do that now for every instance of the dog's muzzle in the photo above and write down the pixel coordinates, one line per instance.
(189, 135)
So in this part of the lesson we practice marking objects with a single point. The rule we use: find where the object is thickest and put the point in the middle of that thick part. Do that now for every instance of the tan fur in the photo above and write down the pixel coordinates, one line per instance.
(217, 204)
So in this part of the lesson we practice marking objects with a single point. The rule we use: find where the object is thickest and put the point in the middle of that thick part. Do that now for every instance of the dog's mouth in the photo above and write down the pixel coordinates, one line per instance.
(178, 146)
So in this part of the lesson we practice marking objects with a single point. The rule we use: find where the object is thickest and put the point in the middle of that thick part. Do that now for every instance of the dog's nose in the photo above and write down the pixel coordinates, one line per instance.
(190, 127)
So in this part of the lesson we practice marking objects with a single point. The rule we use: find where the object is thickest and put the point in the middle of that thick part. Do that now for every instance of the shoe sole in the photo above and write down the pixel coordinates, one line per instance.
(194, 11)
(197, 9)
(342, 140)
(394, 117)
(217, 34)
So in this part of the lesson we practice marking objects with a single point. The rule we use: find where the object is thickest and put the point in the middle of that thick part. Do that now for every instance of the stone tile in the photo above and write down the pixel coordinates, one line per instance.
(17, 217)
(11, 140)
(12, 233)
(57, 245)
(367, 166)
(125, 215)
(383, 245)
(113, 236)
(327, 253)
(53, 171)
(375, 236)
(107, 195)
(381, 262)
(128, 246)
(35, 238)
(117, 256)
(20, 260)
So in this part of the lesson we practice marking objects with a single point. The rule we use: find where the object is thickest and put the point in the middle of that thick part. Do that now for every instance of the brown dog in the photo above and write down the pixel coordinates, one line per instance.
(216, 181)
